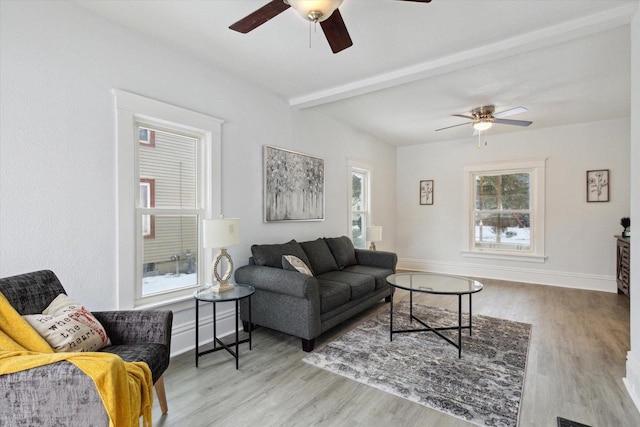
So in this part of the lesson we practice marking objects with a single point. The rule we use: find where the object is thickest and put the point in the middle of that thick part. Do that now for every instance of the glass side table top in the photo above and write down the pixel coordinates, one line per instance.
(238, 292)
(434, 283)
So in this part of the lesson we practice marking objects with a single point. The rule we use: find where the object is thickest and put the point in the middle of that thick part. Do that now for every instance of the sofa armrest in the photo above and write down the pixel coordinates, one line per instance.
(135, 327)
(59, 394)
(278, 280)
(380, 259)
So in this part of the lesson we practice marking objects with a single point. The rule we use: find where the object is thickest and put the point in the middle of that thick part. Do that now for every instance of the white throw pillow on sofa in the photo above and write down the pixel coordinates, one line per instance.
(68, 327)
(291, 262)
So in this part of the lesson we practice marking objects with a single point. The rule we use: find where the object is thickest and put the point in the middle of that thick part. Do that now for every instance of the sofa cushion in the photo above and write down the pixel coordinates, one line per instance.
(293, 263)
(271, 255)
(380, 274)
(360, 284)
(319, 256)
(332, 294)
(342, 250)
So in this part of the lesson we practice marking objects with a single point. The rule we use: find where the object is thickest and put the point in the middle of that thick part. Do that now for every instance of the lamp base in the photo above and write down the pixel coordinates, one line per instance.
(372, 247)
(222, 287)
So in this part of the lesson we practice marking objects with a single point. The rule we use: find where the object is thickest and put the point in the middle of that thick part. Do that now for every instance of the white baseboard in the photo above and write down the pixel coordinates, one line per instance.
(183, 336)
(632, 380)
(527, 275)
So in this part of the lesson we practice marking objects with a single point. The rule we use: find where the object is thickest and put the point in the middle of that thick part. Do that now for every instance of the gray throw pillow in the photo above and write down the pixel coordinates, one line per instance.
(342, 250)
(319, 255)
(271, 255)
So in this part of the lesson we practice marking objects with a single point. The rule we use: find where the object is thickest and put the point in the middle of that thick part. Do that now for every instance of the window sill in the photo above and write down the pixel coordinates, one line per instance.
(175, 303)
(505, 257)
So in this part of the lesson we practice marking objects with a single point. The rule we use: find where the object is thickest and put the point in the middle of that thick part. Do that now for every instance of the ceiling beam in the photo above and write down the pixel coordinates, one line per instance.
(550, 36)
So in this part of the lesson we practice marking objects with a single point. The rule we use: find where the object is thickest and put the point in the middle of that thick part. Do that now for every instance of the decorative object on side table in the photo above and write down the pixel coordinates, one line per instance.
(598, 185)
(374, 234)
(426, 192)
(221, 233)
(626, 223)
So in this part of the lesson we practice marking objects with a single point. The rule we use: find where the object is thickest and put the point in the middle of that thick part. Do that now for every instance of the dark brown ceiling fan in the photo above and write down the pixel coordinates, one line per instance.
(482, 118)
(325, 12)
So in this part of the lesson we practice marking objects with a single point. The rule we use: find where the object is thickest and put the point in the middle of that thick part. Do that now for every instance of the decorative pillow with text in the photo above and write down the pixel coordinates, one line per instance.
(68, 327)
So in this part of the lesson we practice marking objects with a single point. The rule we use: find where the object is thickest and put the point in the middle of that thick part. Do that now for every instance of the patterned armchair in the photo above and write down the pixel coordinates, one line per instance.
(60, 393)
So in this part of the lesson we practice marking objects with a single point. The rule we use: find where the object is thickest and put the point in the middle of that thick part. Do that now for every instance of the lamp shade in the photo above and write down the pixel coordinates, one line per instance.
(315, 10)
(221, 233)
(374, 233)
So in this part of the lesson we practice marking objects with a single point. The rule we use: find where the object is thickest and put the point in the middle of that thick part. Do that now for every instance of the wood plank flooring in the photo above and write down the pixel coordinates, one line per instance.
(575, 368)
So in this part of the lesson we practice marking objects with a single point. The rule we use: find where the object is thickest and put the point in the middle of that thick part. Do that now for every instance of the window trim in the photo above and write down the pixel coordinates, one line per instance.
(537, 169)
(132, 110)
(367, 170)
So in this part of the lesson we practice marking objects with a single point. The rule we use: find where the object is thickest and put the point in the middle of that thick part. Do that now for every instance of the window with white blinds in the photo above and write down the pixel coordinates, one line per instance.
(169, 215)
(169, 179)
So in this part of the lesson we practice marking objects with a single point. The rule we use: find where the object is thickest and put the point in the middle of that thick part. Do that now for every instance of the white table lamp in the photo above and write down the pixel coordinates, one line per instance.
(221, 233)
(374, 234)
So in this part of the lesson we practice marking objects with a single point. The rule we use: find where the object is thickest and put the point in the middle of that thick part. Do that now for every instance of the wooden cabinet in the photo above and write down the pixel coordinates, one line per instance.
(623, 258)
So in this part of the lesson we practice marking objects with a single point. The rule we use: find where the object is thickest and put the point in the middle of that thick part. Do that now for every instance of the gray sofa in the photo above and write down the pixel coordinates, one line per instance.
(345, 281)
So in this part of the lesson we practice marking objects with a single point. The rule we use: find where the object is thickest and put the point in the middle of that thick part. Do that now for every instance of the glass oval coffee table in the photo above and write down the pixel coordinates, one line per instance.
(431, 283)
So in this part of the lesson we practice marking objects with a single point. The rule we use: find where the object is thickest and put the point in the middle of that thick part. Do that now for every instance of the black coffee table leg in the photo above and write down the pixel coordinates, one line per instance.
(459, 326)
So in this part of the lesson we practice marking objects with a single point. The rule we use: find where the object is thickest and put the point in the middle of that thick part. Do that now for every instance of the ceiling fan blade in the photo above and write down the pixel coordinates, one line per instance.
(510, 112)
(418, 1)
(454, 126)
(336, 32)
(463, 116)
(513, 122)
(260, 16)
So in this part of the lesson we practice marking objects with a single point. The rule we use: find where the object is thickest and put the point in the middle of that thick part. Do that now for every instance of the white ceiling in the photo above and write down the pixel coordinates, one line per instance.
(412, 65)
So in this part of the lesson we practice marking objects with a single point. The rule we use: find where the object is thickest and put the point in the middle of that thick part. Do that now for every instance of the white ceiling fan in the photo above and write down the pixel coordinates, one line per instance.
(483, 118)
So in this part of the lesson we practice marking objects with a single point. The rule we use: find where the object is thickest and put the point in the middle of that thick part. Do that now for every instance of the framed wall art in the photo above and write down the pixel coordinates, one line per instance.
(293, 186)
(426, 192)
(598, 185)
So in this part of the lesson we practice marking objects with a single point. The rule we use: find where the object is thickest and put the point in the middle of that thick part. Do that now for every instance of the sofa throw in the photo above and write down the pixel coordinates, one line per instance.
(69, 327)
(342, 250)
(271, 255)
(293, 263)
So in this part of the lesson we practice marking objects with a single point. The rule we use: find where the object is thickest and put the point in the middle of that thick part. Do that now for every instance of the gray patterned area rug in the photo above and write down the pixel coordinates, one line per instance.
(484, 387)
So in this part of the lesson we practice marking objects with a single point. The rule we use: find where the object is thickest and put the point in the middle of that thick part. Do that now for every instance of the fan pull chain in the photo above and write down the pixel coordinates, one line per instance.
(480, 139)
(315, 30)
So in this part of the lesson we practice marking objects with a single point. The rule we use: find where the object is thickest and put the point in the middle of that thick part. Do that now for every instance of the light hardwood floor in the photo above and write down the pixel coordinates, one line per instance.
(575, 368)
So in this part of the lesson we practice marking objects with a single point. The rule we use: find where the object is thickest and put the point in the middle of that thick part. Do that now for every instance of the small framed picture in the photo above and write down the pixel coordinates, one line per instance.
(426, 192)
(598, 185)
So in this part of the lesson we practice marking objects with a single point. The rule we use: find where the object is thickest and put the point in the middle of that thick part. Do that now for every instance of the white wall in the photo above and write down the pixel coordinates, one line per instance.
(579, 236)
(58, 63)
(632, 380)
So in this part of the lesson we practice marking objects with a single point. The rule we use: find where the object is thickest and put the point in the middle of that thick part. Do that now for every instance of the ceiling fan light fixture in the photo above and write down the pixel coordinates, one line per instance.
(483, 125)
(314, 10)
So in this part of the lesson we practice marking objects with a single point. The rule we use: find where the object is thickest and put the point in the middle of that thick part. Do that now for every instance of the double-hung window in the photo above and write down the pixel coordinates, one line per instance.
(359, 185)
(168, 182)
(505, 205)
(169, 210)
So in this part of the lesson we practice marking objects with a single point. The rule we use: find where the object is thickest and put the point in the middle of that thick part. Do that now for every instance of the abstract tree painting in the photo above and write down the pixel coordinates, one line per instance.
(293, 186)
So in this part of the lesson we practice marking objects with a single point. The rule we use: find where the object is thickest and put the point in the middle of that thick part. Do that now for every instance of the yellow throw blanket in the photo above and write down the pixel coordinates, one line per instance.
(125, 388)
